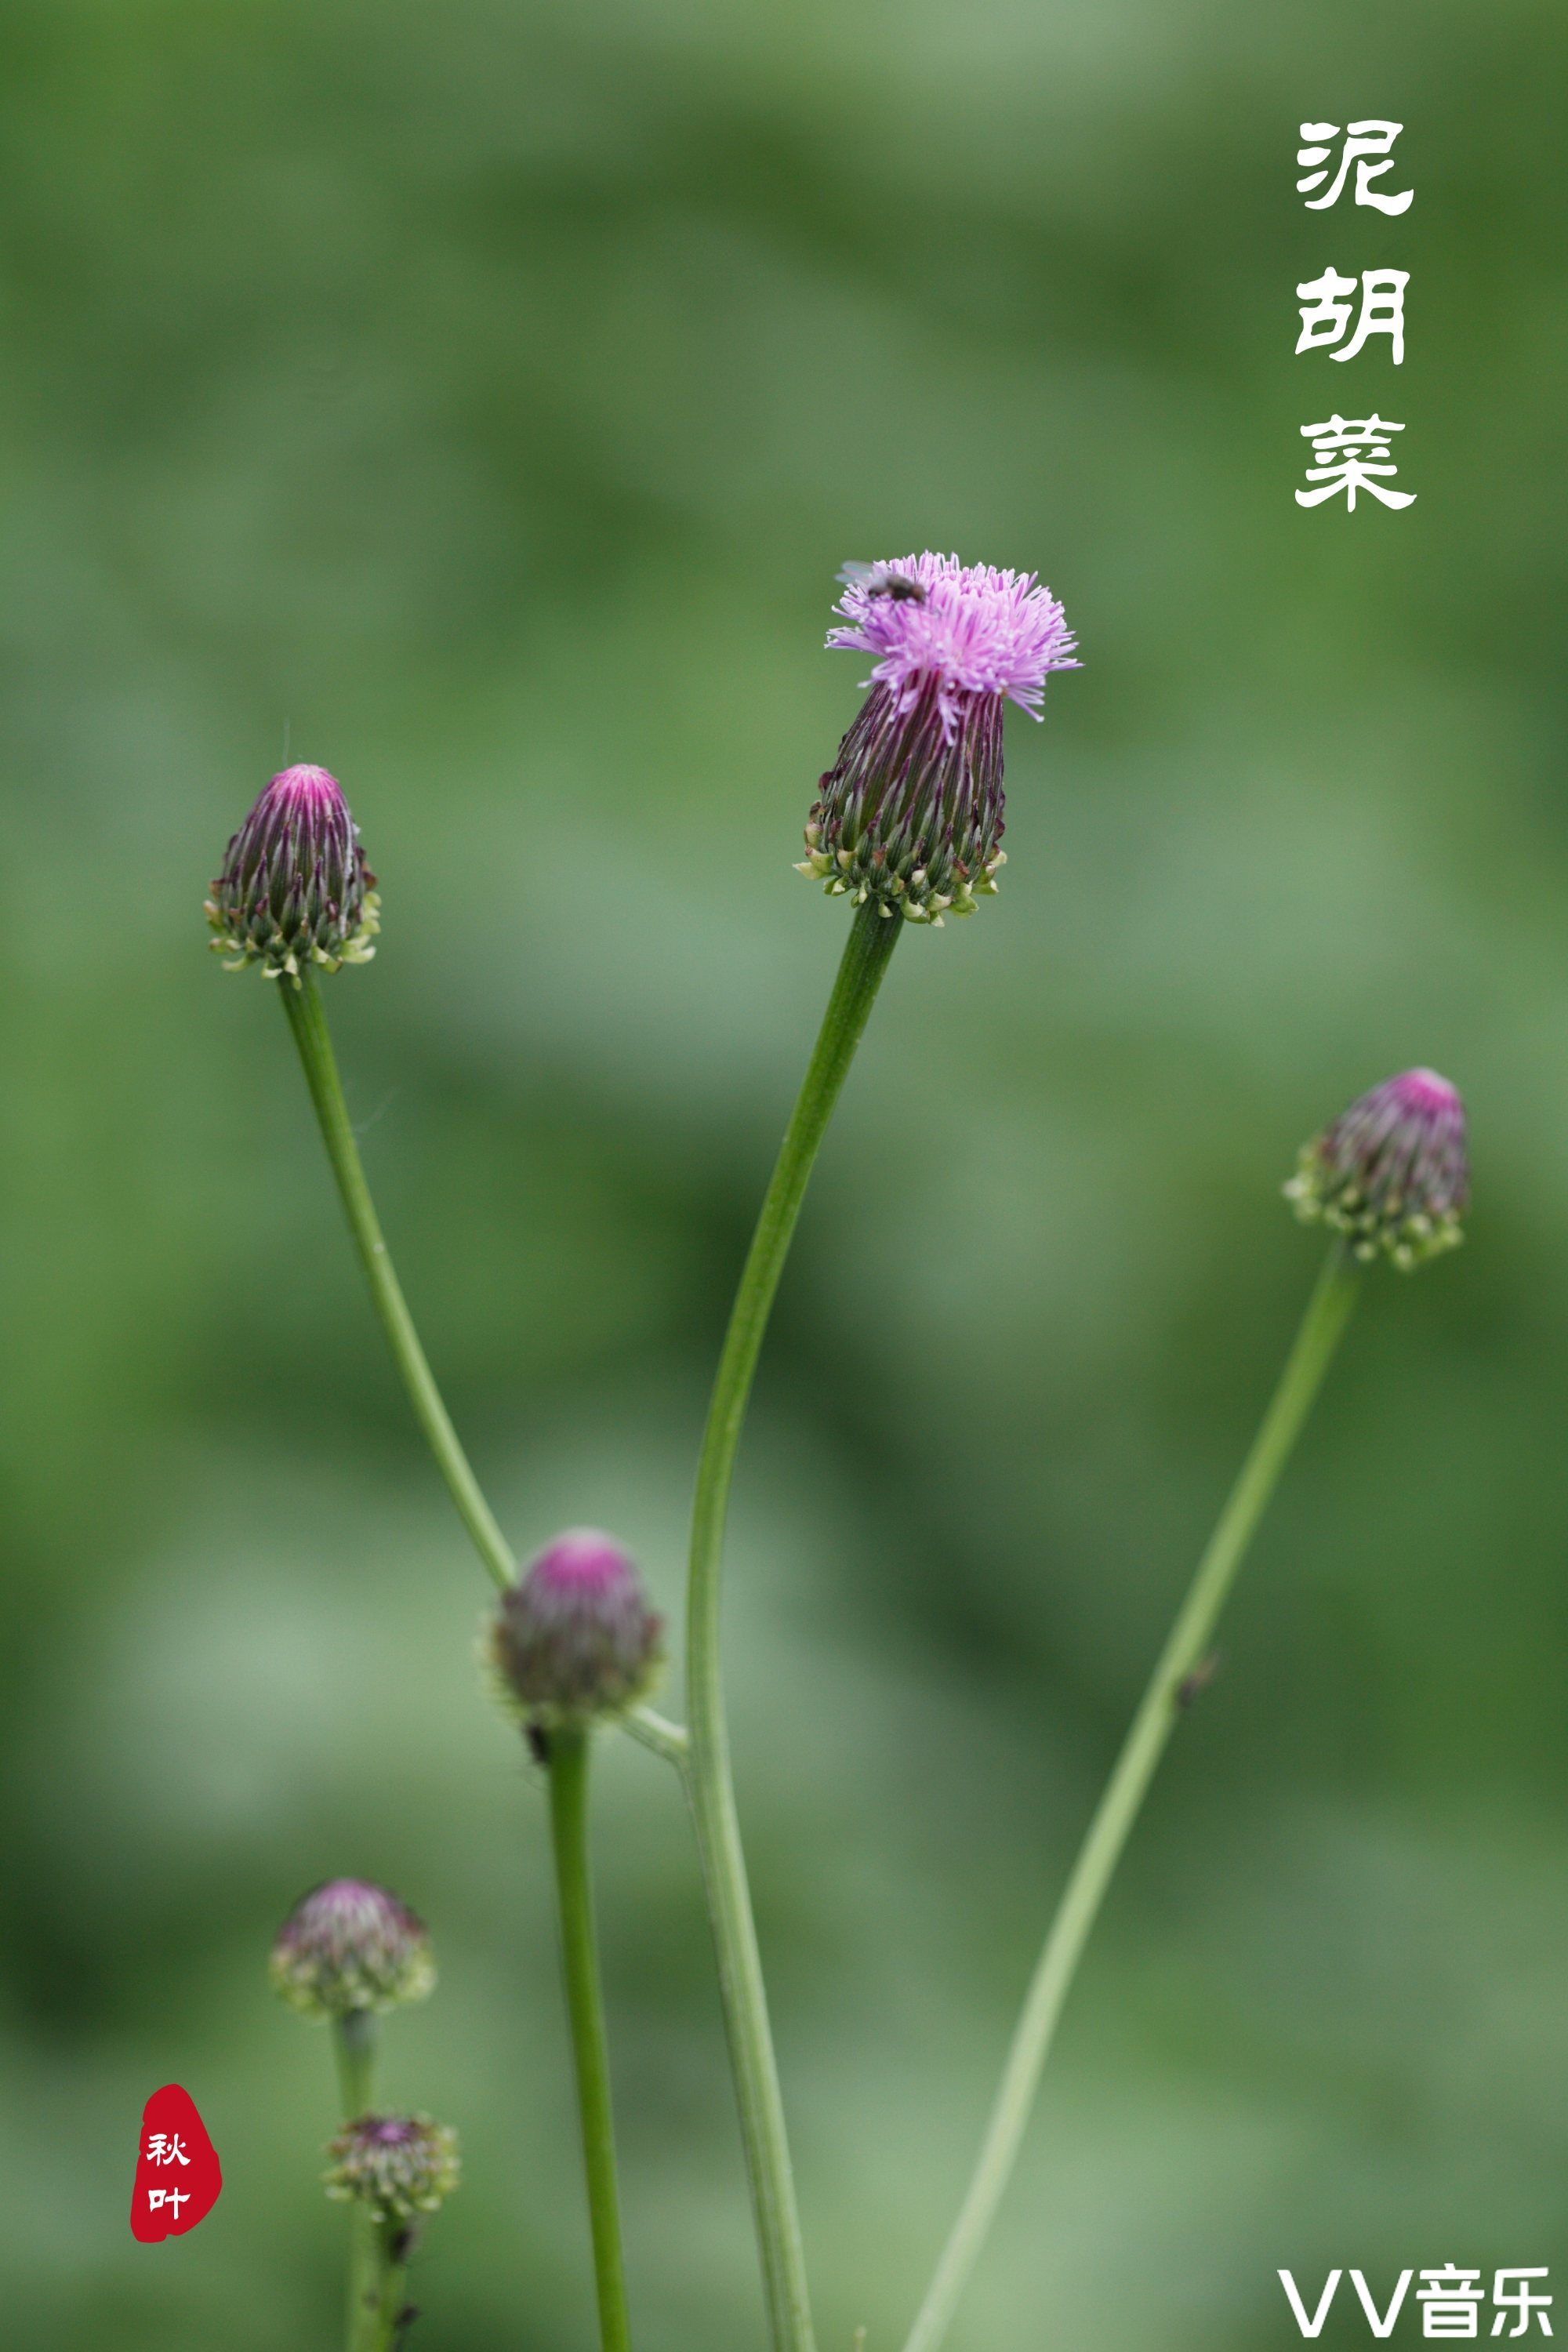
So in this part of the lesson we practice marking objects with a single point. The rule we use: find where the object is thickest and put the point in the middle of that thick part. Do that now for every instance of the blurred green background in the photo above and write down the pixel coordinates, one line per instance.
(479, 400)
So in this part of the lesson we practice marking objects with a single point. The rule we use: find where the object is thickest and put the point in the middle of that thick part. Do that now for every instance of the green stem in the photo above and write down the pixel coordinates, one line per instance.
(392, 2246)
(567, 1755)
(1161, 1706)
(308, 1019)
(656, 1734)
(708, 1776)
(354, 2038)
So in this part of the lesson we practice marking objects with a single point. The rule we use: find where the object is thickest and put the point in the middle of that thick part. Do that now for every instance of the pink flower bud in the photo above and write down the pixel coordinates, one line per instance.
(295, 889)
(350, 1945)
(400, 2166)
(576, 1637)
(1391, 1173)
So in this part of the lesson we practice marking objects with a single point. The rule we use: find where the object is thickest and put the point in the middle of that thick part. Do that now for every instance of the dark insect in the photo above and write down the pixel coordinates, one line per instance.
(878, 581)
(1193, 1685)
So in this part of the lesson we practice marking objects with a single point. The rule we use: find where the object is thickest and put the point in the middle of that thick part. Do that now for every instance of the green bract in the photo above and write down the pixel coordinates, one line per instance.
(295, 889)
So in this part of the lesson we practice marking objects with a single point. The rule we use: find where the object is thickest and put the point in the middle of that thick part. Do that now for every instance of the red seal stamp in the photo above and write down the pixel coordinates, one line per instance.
(178, 2176)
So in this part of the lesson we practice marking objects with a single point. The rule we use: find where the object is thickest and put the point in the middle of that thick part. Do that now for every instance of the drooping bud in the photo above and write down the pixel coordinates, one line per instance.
(910, 811)
(400, 2166)
(295, 889)
(575, 1638)
(1391, 1173)
(350, 1945)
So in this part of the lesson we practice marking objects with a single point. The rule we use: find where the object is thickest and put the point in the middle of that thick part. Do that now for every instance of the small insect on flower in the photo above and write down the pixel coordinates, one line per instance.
(1392, 1172)
(911, 813)
(880, 579)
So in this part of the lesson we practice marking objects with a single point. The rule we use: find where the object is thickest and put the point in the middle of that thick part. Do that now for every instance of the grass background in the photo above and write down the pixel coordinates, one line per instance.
(479, 401)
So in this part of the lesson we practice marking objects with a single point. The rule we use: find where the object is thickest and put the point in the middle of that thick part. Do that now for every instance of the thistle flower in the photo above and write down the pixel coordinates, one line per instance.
(350, 1945)
(1390, 1172)
(575, 1638)
(295, 888)
(399, 2165)
(910, 811)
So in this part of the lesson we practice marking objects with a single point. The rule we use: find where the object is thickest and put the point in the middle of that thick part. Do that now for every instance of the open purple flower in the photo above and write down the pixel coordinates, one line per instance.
(295, 889)
(1391, 1173)
(911, 813)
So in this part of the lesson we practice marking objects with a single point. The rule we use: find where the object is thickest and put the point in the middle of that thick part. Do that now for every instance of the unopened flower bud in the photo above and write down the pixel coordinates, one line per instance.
(350, 1945)
(295, 889)
(1391, 1173)
(575, 1638)
(400, 2166)
(911, 813)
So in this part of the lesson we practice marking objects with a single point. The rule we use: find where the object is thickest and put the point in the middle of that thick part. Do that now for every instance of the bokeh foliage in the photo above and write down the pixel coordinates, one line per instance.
(478, 400)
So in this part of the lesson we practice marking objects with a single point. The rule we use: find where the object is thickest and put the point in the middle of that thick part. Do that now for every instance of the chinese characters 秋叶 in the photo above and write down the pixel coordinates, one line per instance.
(166, 2147)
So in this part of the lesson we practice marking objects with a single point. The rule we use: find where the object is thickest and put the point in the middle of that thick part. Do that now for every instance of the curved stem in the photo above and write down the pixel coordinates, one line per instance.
(656, 1734)
(308, 1019)
(708, 1776)
(567, 1756)
(1162, 1703)
(354, 2038)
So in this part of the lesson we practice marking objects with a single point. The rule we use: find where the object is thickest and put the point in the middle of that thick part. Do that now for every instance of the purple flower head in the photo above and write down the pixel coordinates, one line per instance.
(1391, 1173)
(400, 2166)
(350, 1945)
(911, 812)
(966, 627)
(575, 1638)
(295, 888)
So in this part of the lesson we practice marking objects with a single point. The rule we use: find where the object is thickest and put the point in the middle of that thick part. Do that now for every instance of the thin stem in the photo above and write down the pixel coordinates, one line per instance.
(308, 1019)
(393, 2243)
(708, 1776)
(1161, 1706)
(657, 1734)
(354, 2039)
(567, 1756)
